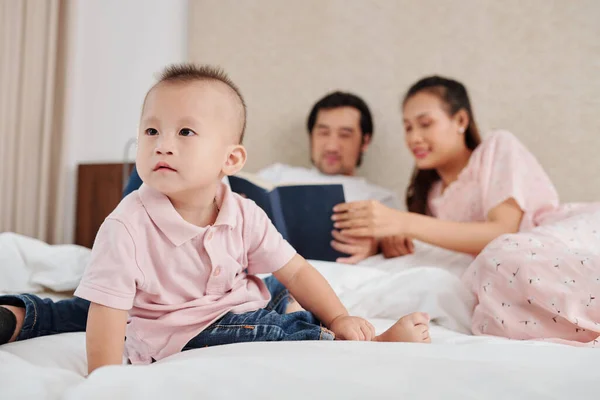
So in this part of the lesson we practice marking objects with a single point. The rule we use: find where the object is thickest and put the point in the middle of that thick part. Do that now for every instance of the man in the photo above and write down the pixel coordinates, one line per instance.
(340, 129)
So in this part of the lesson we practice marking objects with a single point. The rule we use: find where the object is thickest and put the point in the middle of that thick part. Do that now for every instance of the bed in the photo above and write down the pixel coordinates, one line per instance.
(455, 366)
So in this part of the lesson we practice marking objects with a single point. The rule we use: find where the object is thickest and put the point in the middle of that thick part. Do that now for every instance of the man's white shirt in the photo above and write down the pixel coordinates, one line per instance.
(355, 188)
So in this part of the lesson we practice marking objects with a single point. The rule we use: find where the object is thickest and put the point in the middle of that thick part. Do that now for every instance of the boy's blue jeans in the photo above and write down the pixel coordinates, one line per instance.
(46, 317)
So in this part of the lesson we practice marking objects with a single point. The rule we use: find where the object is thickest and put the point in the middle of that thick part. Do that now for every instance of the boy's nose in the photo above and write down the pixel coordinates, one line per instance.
(162, 150)
(164, 146)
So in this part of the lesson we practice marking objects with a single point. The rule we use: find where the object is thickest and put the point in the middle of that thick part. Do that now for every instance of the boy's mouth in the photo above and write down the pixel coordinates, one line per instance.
(163, 166)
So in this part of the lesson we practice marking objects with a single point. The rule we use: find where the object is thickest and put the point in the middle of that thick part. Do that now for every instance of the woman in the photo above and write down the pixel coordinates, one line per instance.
(537, 271)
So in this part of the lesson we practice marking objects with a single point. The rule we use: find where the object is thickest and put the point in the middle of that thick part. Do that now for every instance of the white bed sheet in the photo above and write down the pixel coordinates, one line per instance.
(455, 366)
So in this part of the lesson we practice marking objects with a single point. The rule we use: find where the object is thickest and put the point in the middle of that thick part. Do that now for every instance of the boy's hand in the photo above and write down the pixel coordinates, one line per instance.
(352, 328)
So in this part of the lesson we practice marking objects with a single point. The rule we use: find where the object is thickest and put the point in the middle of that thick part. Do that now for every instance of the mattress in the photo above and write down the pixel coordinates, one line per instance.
(456, 365)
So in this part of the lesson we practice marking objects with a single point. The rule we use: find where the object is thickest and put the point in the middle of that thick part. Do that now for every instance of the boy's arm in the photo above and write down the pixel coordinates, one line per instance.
(267, 251)
(314, 294)
(105, 336)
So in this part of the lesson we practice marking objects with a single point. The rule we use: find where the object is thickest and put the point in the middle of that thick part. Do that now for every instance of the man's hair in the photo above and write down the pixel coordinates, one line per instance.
(188, 72)
(343, 99)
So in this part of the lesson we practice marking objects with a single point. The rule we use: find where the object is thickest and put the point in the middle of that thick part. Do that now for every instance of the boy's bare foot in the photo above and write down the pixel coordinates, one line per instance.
(410, 328)
(11, 319)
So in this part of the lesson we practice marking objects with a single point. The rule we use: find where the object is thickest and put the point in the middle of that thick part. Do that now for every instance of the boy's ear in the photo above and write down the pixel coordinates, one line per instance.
(236, 158)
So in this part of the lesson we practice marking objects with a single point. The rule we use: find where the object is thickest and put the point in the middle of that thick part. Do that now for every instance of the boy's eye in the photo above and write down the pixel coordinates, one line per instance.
(151, 132)
(186, 132)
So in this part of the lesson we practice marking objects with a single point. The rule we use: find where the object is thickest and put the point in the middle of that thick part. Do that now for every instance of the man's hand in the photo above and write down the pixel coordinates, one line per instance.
(357, 248)
(352, 328)
(396, 246)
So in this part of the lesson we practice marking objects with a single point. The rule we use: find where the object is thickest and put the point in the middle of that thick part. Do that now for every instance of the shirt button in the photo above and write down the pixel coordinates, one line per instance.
(209, 236)
(217, 271)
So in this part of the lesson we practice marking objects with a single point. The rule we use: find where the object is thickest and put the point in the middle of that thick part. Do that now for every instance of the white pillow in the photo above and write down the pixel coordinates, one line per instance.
(30, 265)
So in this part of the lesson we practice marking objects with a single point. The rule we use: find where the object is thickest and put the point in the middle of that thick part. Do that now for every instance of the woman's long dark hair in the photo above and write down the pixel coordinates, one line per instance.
(454, 96)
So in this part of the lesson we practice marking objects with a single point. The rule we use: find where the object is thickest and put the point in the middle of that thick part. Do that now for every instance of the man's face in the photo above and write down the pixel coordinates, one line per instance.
(337, 141)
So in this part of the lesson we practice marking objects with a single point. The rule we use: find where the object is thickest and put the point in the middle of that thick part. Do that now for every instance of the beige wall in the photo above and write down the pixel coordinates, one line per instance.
(108, 75)
(532, 67)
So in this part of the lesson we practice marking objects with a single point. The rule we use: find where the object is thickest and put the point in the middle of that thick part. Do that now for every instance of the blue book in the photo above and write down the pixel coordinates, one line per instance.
(301, 213)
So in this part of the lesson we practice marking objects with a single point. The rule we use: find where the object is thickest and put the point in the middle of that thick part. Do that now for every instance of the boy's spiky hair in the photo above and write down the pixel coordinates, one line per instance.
(187, 72)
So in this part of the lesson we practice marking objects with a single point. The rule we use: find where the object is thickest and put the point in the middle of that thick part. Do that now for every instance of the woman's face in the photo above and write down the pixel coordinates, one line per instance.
(434, 137)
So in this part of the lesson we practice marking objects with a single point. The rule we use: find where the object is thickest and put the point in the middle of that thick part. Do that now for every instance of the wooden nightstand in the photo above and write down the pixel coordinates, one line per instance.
(99, 190)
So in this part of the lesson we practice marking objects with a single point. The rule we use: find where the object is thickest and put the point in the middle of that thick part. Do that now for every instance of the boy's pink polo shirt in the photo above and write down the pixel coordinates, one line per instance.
(176, 278)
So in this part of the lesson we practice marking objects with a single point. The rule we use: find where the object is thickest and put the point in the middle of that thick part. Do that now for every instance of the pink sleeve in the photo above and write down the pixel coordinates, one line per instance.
(112, 276)
(267, 250)
(508, 170)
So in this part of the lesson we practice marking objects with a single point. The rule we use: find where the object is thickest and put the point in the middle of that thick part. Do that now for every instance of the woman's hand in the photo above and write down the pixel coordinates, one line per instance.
(368, 219)
(396, 246)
